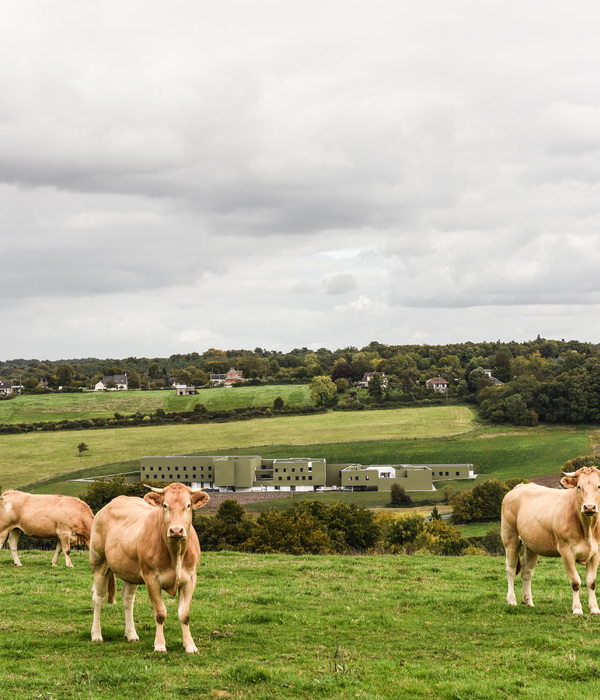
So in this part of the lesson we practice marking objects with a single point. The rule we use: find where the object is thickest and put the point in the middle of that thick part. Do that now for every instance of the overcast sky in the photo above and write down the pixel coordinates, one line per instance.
(241, 173)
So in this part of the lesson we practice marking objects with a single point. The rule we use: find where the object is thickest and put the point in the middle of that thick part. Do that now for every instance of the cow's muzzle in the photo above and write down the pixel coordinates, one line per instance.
(589, 509)
(176, 532)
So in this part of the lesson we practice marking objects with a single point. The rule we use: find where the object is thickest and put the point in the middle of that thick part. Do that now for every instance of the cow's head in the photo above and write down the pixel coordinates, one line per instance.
(587, 482)
(177, 502)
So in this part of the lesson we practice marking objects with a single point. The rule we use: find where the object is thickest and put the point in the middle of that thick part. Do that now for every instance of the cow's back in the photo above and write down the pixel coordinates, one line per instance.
(116, 532)
(537, 514)
(43, 515)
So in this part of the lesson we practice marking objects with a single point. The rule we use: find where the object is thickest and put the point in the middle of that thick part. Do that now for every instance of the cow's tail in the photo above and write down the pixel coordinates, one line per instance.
(112, 589)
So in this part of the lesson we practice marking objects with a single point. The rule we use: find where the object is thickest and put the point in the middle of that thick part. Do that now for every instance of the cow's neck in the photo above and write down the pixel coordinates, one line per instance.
(177, 548)
(588, 525)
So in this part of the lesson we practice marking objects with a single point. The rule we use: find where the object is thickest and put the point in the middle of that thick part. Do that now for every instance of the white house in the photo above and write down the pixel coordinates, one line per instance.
(117, 381)
(438, 384)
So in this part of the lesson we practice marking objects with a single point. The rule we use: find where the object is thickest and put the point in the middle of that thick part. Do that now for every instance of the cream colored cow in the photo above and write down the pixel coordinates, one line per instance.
(49, 516)
(147, 541)
(553, 523)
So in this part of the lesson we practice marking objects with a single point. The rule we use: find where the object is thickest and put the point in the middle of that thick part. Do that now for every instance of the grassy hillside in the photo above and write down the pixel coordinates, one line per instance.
(54, 407)
(27, 457)
(276, 626)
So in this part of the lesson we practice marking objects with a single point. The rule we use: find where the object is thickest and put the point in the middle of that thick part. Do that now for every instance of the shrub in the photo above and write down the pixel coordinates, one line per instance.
(289, 533)
(480, 503)
(399, 497)
(405, 529)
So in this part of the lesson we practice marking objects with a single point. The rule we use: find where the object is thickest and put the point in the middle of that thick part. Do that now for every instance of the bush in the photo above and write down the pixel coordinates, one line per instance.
(481, 503)
(288, 533)
(226, 530)
(405, 529)
(399, 497)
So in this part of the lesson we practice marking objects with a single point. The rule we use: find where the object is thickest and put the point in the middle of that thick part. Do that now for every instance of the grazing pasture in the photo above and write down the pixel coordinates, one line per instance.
(27, 457)
(279, 626)
(32, 408)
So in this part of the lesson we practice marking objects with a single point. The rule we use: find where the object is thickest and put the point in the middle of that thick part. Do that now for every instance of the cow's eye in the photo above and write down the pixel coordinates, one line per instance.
(189, 504)
(165, 506)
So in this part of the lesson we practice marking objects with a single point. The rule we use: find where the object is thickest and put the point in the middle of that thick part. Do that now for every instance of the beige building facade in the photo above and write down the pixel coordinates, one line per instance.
(253, 473)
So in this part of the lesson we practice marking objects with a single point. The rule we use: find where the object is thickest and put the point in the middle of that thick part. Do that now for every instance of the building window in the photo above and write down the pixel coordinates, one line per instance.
(297, 478)
(303, 478)
(285, 470)
(447, 473)
(457, 473)
(366, 478)
(289, 477)
(276, 471)
(293, 469)
(301, 469)
(280, 478)
(310, 478)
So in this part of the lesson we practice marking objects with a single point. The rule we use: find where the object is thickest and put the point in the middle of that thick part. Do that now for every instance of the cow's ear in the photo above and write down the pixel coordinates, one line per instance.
(199, 499)
(569, 482)
(153, 498)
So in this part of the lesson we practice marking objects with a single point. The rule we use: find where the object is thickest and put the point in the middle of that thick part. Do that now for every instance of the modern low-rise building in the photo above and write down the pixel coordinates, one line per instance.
(253, 473)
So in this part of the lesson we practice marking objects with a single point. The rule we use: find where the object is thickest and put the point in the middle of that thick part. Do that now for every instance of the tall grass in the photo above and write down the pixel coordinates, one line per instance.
(279, 626)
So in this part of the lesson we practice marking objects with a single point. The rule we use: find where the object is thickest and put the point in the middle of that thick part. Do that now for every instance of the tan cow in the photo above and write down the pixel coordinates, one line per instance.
(147, 541)
(51, 516)
(552, 523)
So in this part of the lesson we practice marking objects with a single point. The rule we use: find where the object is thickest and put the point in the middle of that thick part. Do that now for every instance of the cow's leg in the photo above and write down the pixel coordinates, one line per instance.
(129, 590)
(160, 612)
(530, 559)
(512, 545)
(13, 538)
(4, 535)
(183, 612)
(101, 576)
(590, 579)
(57, 551)
(65, 540)
(574, 578)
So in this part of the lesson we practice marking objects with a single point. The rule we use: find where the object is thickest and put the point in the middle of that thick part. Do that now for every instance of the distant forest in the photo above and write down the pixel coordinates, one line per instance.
(554, 381)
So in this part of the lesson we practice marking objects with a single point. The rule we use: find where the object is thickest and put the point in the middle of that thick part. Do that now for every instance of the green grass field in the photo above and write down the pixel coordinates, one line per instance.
(104, 404)
(27, 457)
(276, 626)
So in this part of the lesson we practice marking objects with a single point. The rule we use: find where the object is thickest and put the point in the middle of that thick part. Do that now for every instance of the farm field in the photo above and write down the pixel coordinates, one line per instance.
(277, 626)
(28, 457)
(104, 404)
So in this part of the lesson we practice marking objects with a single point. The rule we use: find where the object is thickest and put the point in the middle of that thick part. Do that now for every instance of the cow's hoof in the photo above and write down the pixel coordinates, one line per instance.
(192, 650)
(595, 611)
(97, 638)
(133, 639)
(162, 648)
(577, 611)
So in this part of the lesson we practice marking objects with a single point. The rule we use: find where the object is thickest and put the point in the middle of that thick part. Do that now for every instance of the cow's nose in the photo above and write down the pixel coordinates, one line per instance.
(589, 508)
(176, 532)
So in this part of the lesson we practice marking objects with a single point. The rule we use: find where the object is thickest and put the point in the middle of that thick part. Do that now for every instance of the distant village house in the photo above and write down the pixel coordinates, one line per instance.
(232, 377)
(367, 376)
(112, 382)
(438, 384)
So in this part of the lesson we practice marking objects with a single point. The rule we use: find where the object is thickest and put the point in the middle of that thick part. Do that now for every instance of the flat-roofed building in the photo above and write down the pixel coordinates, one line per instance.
(253, 473)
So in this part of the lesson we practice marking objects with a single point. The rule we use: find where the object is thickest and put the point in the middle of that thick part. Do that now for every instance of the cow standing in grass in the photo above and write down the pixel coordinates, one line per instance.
(147, 541)
(46, 516)
(552, 523)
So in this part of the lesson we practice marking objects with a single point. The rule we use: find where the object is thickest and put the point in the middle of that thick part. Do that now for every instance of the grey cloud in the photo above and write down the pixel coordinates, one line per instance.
(340, 284)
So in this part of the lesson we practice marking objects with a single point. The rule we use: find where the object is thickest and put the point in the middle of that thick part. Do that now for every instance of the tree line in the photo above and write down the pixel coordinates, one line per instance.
(554, 381)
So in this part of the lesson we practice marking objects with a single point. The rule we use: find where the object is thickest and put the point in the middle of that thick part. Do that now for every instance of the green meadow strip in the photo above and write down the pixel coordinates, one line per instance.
(275, 626)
